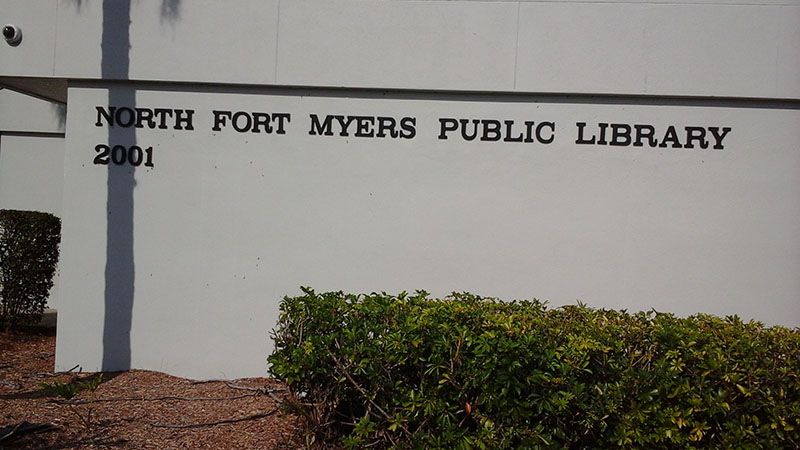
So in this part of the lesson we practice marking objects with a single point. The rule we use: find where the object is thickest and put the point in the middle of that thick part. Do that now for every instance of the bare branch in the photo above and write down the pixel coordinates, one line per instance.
(152, 399)
(56, 374)
(210, 380)
(363, 392)
(219, 422)
(11, 384)
(261, 390)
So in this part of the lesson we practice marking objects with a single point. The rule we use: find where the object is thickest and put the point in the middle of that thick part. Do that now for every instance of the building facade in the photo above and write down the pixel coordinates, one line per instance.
(208, 158)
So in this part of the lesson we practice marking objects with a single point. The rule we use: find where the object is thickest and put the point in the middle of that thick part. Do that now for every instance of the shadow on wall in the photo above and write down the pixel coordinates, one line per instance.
(59, 112)
(170, 9)
(120, 272)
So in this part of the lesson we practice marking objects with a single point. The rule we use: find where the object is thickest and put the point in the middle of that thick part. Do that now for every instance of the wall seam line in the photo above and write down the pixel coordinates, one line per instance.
(55, 39)
(277, 40)
(516, 47)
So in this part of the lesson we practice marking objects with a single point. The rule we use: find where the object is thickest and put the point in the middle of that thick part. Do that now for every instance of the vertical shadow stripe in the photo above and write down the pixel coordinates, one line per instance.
(119, 270)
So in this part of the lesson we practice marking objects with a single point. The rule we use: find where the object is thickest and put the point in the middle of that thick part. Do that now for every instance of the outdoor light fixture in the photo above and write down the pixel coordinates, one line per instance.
(12, 34)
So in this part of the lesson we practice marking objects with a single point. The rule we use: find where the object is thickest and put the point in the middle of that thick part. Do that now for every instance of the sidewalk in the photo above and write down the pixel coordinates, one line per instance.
(48, 319)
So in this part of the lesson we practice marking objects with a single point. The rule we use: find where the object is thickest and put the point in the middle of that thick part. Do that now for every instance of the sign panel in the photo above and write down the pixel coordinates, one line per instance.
(188, 214)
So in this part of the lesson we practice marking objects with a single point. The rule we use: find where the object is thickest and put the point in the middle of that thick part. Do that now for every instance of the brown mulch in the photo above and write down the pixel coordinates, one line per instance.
(135, 409)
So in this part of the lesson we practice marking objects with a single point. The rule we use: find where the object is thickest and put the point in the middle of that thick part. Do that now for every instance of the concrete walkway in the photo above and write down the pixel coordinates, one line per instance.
(48, 319)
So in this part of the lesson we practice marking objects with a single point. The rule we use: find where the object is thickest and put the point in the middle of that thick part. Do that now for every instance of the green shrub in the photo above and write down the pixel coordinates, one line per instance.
(28, 257)
(408, 371)
(72, 388)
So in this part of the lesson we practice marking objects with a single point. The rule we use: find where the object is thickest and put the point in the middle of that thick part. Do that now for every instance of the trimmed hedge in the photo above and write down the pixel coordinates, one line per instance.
(408, 371)
(28, 257)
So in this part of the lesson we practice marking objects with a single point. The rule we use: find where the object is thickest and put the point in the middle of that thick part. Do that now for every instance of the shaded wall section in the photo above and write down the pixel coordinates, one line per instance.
(120, 269)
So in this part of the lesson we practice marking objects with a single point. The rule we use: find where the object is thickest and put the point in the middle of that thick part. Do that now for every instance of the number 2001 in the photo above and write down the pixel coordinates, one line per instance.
(119, 155)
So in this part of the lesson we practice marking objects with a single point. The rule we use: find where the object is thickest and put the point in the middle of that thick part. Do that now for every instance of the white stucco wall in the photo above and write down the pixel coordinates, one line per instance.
(226, 223)
(714, 48)
(20, 113)
(32, 178)
(180, 266)
(32, 158)
(31, 173)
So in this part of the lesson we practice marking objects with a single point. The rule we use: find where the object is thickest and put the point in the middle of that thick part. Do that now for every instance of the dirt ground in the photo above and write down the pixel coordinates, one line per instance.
(136, 409)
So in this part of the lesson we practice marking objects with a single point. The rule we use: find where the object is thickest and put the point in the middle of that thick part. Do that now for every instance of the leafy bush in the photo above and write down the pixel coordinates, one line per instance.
(28, 257)
(409, 371)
